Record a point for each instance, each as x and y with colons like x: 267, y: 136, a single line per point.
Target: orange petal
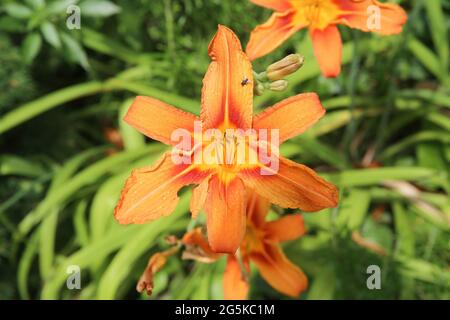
x: 225, y: 97
x: 267, y: 37
x: 234, y: 285
x: 157, y: 119
x: 257, y: 208
x: 291, y: 116
x: 328, y: 50
x: 196, y: 238
x: 198, y: 198
x: 279, y: 272
x: 286, y: 228
x: 358, y: 15
x: 151, y: 192
x: 292, y: 186
x: 277, y: 5
x: 225, y: 207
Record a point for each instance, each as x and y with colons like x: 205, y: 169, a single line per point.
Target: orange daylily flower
x: 227, y: 102
x: 321, y: 17
x: 261, y: 246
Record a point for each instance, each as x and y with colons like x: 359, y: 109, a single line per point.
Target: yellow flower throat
x: 317, y: 14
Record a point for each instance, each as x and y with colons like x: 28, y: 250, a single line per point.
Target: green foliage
x: 385, y: 142
x: 16, y: 84
x: 47, y: 19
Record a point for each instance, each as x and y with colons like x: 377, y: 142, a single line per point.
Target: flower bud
x: 279, y: 85
x: 284, y: 67
x: 259, y: 89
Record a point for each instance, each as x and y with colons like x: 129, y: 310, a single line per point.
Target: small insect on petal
x: 245, y: 81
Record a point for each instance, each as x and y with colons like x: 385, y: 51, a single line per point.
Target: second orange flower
x: 321, y: 17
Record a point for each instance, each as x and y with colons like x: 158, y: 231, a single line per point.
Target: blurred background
x: 65, y: 152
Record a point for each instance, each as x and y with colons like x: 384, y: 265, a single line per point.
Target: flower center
x: 230, y: 150
x: 254, y: 239
x: 317, y: 14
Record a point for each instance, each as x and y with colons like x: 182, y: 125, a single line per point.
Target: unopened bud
x: 284, y: 67
x: 259, y: 89
x: 279, y: 85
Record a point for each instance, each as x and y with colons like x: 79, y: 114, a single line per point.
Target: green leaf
x: 438, y: 98
x: 439, y: 119
x: 436, y: 19
x: 323, y: 151
x: 375, y: 176
x: 378, y: 233
x: 412, y: 140
x: 47, y: 231
x: 36, y: 4
x: 123, y: 261
x: 17, y: 10
x: 59, y: 6
x: 86, y: 177
x: 356, y: 207
x: 48, y: 227
x: 25, y: 264
x: 425, y: 56
x: 98, y: 8
x: 423, y: 270
x: 405, y: 244
x: 429, y: 155
x: 102, y: 43
x: 189, y: 285
x: 11, y: 24
x: 75, y: 51
x: 132, y: 139
x: 323, y: 284
x: 57, y: 98
x: 31, y: 47
x: 85, y: 257
x: 202, y: 290
x: 13, y: 165
x: 80, y: 224
x: 103, y: 205
x: 335, y: 120
x: 141, y: 88
x: 51, y: 34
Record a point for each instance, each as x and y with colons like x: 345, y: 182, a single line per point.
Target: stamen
x: 316, y: 13
x: 312, y: 11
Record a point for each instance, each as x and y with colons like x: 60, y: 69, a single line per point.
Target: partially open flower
x: 155, y: 263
